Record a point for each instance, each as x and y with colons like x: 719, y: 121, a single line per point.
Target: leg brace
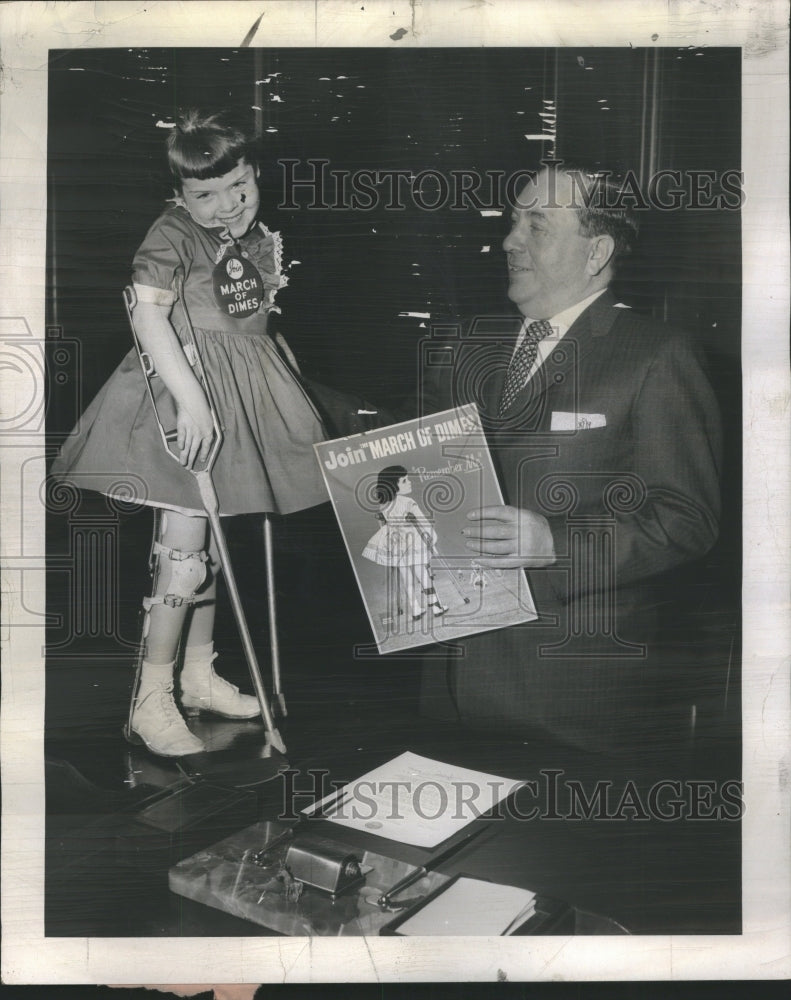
x: 188, y: 571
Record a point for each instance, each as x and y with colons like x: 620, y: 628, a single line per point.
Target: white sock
x: 198, y: 661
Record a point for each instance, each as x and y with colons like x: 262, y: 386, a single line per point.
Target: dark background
x: 441, y: 109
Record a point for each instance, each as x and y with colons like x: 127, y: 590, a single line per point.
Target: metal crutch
x: 208, y: 495
x: 271, y: 605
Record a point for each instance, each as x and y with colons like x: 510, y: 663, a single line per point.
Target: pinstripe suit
x: 616, y: 441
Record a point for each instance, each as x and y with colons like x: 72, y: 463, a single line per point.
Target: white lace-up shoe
x: 157, y: 722
x: 211, y: 693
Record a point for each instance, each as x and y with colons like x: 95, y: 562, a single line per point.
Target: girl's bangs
x: 206, y: 158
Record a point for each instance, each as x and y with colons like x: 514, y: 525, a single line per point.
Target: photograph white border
x: 27, y: 31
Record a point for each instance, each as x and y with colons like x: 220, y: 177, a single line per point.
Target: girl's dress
x: 266, y: 462
x: 406, y: 537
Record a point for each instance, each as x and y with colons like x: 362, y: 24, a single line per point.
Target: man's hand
x: 509, y: 538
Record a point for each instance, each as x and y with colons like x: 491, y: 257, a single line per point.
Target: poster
x: 29, y: 32
x: 403, y: 527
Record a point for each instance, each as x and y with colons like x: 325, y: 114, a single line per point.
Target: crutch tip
x: 274, y: 739
x: 281, y: 704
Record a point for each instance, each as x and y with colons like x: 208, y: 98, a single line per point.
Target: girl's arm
x: 158, y: 339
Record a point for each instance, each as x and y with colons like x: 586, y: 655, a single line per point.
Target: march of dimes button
x: 238, y: 288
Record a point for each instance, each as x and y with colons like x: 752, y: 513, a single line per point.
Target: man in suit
x: 605, y: 432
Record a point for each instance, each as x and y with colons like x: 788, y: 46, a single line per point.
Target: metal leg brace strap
x: 187, y: 573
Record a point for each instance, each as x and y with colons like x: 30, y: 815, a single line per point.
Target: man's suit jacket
x: 616, y: 442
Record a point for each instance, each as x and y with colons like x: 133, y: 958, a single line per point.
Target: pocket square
x: 562, y: 421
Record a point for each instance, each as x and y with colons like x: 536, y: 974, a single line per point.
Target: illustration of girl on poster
x: 404, y: 542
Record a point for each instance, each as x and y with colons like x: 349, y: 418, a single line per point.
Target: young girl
x: 231, y: 268
x: 405, y: 540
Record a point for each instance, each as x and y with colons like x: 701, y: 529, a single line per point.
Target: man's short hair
x: 603, y: 204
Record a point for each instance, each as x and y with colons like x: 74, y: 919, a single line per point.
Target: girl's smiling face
x: 229, y: 201
x: 404, y: 485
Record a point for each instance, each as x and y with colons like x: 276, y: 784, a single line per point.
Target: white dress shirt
x: 561, y: 324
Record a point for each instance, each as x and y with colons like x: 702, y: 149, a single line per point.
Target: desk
x: 226, y: 876
x: 107, y: 873
x: 108, y: 876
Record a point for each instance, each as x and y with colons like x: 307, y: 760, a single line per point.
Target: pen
x: 418, y: 873
x: 239, y: 873
x: 335, y: 806
x: 322, y: 805
x: 410, y: 879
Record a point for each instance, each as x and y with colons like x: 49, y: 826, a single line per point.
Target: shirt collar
x: 562, y: 322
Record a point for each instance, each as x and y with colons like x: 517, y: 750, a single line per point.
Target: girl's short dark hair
x: 387, y: 483
x: 205, y: 145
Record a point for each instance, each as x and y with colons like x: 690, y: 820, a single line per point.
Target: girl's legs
x: 425, y: 582
x: 201, y: 688
x: 395, y: 594
x: 412, y: 595
x: 200, y: 622
x: 186, y: 536
x: 182, y: 598
x: 180, y: 571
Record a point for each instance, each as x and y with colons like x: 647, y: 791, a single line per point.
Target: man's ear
x: 601, y: 253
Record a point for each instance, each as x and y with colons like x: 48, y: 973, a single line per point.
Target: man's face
x: 548, y: 259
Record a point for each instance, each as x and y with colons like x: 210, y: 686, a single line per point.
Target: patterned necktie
x: 523, y: 360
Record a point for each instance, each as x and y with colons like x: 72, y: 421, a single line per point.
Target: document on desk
x: 469, y: 907
x: 416, y: 800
